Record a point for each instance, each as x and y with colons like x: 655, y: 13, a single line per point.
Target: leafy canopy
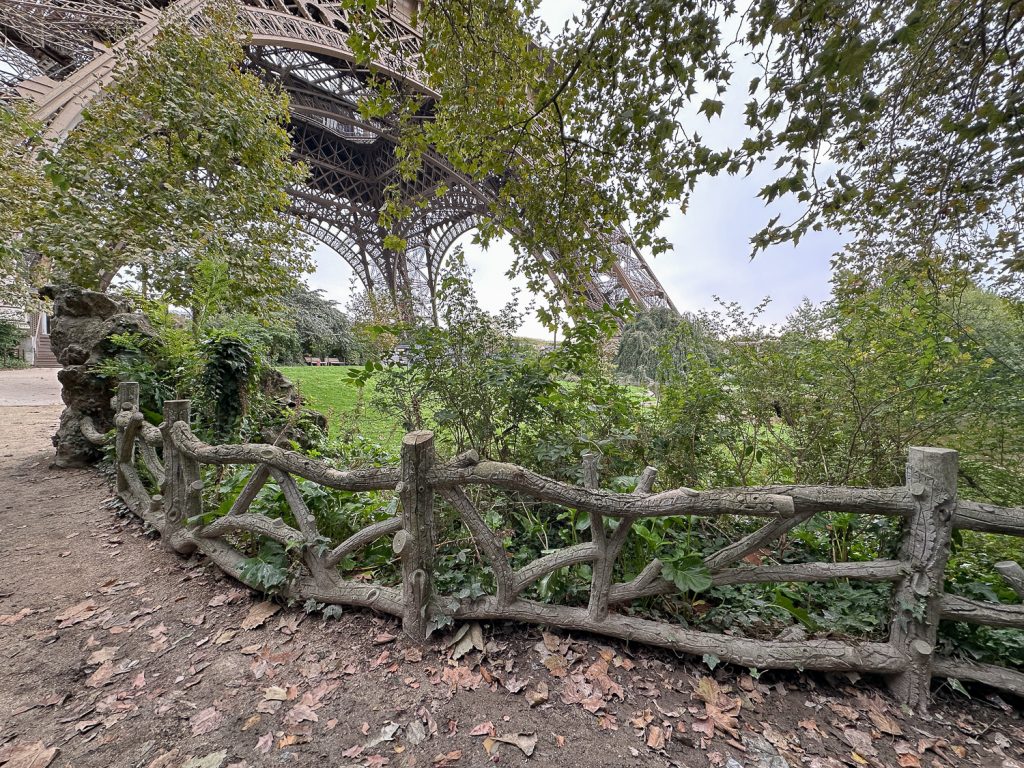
x: 898, y: 121
x: 23, y: 192
x: 184, y: 162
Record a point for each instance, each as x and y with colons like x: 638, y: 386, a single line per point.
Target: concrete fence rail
x: 170, y: 457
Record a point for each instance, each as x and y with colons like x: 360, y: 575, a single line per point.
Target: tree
x: 23, y: 191
x: 182, y: 167
x: 658, y: 343
x: 839, y: 392
x: 899, y: 121
x: 323, y: 329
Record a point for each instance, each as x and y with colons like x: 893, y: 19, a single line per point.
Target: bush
x: 228, y: 379
x: 10, y: 337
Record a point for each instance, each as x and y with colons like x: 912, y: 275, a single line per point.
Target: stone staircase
x: 44, y: 353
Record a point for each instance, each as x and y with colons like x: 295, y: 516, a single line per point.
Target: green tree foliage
x: 899, y: 122
x: 478, y: 386
x: 839, y: 392
x: 23, y: 192
x: 323, y: 329
x: 576, y: 135
x: 229, y: 375
x: 179, y: 171
x: 918, y: 108
x: 304, y: 323
x: 656, y: 343
x: 10, y: 335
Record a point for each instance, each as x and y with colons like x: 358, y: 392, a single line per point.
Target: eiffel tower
x: 62, y: 53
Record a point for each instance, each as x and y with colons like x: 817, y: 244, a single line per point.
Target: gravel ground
x: 30, y: 386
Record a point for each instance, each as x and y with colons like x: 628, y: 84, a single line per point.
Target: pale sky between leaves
x: 710, y: 253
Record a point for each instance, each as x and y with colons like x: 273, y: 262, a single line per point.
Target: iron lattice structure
x: 62, y: 53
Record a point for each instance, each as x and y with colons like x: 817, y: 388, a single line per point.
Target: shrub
x: 230, y: 370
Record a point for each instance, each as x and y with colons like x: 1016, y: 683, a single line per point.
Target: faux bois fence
x: 928, y: 505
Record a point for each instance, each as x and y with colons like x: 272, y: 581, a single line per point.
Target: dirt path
x: 115, y: 652
x: 29, y: 386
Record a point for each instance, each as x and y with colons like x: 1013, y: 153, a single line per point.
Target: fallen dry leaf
x: 299, y: 713
x: 483, y: 729
x: 36, y: 755
x: 538, y: 695
x: 593, y: 704
x: 275, y: 693
x: 225, y: 637
x: 106, y: 653
x: 264, y: 743
x: 884, y: 723
x: 557, y: 665
x: 721, y: 709
x: 849, y: 713
x: 206, y: 721
x: 442, y: 761
x: 101, y: 676
x: 9, y: 619
x: 387, y: 733
x: 76, y: 614
x: 860, y: 741
x: 468, y: 637
x: 514, y: 684
x: 166, y: 760
x: 525, y: 741
x: 642, y: 719
x: 704, y: 726
x: 258, y: 614
x: 48, y: 701
x: 461, y: 677
x: 212, y: 760
x: 655, y: 737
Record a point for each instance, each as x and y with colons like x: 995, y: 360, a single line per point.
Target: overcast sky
x: 710, y: 253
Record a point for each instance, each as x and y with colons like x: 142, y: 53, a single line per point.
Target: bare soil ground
x: 29, y: 386
x: 115, y: 652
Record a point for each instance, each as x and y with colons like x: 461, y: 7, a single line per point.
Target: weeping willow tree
x: 658, y: 344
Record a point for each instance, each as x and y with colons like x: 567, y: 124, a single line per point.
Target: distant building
x: 34, y: 347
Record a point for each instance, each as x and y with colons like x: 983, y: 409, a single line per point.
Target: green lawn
x: 328, y: 390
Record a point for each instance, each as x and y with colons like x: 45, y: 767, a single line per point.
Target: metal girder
x: 61, y: 54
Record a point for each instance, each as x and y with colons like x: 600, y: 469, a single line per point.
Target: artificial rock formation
x: 80, y: 334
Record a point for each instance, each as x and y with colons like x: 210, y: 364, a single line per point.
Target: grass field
x: 327, y: 389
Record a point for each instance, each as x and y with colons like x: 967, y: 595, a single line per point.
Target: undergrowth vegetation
x: 837, y: 395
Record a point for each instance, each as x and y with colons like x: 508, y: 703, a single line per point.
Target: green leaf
x: 711, y: 107
x: 688, y: 573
